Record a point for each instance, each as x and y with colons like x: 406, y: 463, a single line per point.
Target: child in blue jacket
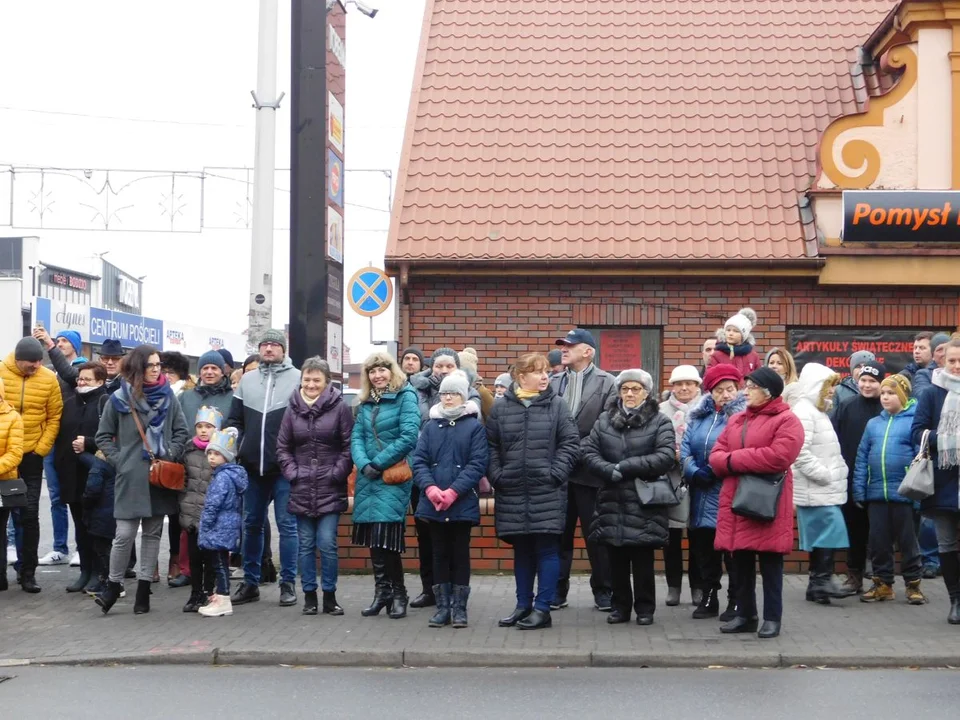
x: 220, y: 524
x: 886, y: 451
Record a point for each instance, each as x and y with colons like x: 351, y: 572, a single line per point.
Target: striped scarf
x: 948, y: 431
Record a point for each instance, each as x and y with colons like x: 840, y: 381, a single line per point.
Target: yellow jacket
x: 11, y: 439
x: 38, y: 400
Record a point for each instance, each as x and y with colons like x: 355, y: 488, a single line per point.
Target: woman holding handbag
x: 141, y: 421
x: 758, y: 445
x: 384, y: 434
x: 632, y: 442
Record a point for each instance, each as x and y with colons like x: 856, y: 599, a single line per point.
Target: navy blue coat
x: 704, y: 425
x: 98, y: 500
x: 220, y: 523
x: 451, y: 454
x: 945, y: 480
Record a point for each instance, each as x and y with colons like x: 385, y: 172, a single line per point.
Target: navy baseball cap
x: 112, y: 348
x: 577, y: 336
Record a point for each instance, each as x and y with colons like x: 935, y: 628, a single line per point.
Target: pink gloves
x: 441, y: 499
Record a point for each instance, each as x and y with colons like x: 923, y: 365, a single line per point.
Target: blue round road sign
x: 369, y: 292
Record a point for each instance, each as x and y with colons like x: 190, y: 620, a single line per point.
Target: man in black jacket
x: 850, y: 421
x: 587, y: 390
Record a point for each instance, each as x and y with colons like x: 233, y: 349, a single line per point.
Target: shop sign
x: 337, y: 47
x: 334, y: 235
x: 334, y: 178
x: 619, y: 349
x: 74, y: 282
x: 901, y: 216
x: 335, y: 122
x: 130, y: 330
x: 833, y: 348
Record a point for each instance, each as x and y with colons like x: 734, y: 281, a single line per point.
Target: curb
x: 414, y: 658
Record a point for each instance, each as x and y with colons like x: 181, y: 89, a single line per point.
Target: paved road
x: 108, y: 693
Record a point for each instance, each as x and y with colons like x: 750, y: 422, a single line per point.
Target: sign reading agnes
x: 882, y: 216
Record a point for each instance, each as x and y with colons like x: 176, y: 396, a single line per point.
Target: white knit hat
x: 456, y: 382
x: 744, y: 321
x: 636, y: 375
x: 685, y: 372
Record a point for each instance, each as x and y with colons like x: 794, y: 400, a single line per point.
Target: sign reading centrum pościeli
x: 901, y: 216
x: 833, y: 348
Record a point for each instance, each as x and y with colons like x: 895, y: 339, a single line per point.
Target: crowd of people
x: 734, y: 455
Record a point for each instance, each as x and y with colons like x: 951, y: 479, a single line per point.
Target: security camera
x: 370, y: 12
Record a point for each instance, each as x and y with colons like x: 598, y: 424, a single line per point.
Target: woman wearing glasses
x: 144, y: 397
x: 765, y: 439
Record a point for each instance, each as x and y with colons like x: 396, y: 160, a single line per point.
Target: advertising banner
x: 130, y: 330
x: 901, y: 216
x: 57, y: 316
x: 833, y: 348
x: 195, y: 341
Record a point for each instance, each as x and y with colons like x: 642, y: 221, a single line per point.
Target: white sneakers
x: 11, y: 554
x: 53, y: 558
x: 218, y: 606
x: 75, y: 560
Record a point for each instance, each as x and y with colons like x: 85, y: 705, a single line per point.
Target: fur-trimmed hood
x: 707, y: 406
x: 620, y: 419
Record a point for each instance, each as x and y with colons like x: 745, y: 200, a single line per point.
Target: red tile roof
x: 606, y: 130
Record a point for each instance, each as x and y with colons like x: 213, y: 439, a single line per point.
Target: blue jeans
x: 536, y: 556
x: 255, y: 502
x: 318, y: 533
x: 15, y: 534
x: 58, y: 511
x: 927, y: 538
x: 219, y: 560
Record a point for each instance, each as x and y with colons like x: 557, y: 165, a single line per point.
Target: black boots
x: 141, y: 605
x: 330, y: 605
x: 820, y: 587
x: 769, y: 629
x: 108, y: 598
x: 310, y: 605
x: 709, y: 606
x: 268, y: 572
x: 740, y: 625
x: 394, y: 568
x: 950, y: 567
x: 441, y: 617
x: 428, y: 598
x: 383, y: 590
x: 197, y: 600
x: 28, y: 583
x: 461, y: 593
x: 398, y: 608
x: 516, y: 616
x: 536, y: 620
x: 80, y: 583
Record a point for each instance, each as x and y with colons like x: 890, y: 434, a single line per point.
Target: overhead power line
x: 123, y: 119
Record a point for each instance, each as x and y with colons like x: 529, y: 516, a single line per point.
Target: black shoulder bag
x: 757, y: 496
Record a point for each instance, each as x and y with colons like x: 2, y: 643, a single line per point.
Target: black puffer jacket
x: 534, y: 445
x: 644, y: 447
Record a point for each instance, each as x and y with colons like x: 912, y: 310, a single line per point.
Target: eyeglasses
x: 749, y: 385
x: 449, y: 394
x: 270, y: 345
x: 153, y: 366
x: 632, y: 390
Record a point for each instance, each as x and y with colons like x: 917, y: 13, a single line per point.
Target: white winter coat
x: 819, y: 473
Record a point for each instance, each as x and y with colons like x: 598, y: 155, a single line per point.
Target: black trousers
x: 710, y: 562
x: 84, y: 546
x: 771, y: 568
x: 642, y: 597
x: 201, y: 570
x: 581, y: 502
x: 673, y: 562
x: 424, y: 545
x: 173, y: 535
x: 893, y: 523
x: 451, y: 552
x: 101, y: 551
x: 31, y: 470
x: 858, y: 530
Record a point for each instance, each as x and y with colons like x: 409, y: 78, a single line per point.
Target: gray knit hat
x: 503, y: 380
x: 636, y: 375
x: 860, y: 357
x: 456, y: 382
x: 554, y: 357
x: 939, y: 339
x: 445, y: 351
x: 28, y: 349
x: 274, y: 336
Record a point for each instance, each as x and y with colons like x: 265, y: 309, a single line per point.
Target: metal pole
x: 266, y: 102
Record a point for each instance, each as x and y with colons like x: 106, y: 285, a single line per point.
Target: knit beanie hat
x: 939, y: 339
x: 211, y: 415
x: 768, y: 380
x: 274, y: 336
x: 28, y: 349
x: 875, y: 370
x: 225, y: 443
x: 227, y: 358
x: 73, y: 337
x: 210, y: 357
x: 716, y: 374
x: 554, y: 357
x: 445, y: 351
x: 636, y: 375
x: 685, y: 372
x: 860, y: 357
x: 456, y: 382
x: 412, y: 351
x: 900, y: 385
x: 744, y: 321
x: 468, y: 359
x: 503, y: 380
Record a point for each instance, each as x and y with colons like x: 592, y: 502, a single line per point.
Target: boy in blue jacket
x: 883, y: 457
x: 220, y: 522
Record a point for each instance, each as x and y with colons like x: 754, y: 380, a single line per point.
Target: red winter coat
x: 773, y: 442
x: 746, y: 364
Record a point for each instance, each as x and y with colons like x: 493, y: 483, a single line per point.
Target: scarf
x: 375, y: 394
x: 629, y: 412
x: 948, y: 431
x: 309, y: 401
x: 677, y: 413
x: 525, y: 394
x: 218, y: 388
x: 201, y: 444
x: 736, y: 350
x: 154, y: 404
x: 571, y: 387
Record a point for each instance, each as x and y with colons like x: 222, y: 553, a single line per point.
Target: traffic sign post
x: 370, y: 292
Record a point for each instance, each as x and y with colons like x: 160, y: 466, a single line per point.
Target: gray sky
x: 187, y: 67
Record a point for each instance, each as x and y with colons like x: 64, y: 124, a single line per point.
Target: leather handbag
x: 656, y: 493
x: 399, y: 472
x: 680, y: 513
x: 163, y: 473
x: 13, y: 493
x: 918, y: 482
x: 757, y: 496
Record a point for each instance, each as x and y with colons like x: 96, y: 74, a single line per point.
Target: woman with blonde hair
x: 782, y: 363
x: 384, y: 434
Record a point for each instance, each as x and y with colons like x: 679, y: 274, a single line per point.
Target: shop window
x: 625, y: 348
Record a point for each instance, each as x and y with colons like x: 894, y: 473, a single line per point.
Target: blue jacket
x: 220, y: 523
x: 384, y: 434
x: 886, y: 451
x: 98, y: 500
x: 451, y: 454
x: 704, y: 425
x: 945, y: 480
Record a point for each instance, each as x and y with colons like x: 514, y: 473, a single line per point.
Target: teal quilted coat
x: 385, y: 433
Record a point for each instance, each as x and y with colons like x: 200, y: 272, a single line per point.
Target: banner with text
x: 833, y: 348
x: 901, y: 216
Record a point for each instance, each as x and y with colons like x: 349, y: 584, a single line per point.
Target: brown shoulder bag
x: 163, y: 473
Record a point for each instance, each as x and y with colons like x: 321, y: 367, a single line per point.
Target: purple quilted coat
x: 313, y: 449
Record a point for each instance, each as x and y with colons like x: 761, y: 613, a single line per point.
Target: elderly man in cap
x: 35, y: 394
x: 256, y: 411
x: 586, y: 389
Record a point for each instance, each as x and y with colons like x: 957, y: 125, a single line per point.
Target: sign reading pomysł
x: 901, y: 216
x: 833, y: 348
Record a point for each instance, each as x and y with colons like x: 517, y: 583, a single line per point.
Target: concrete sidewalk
x: 54, y: 627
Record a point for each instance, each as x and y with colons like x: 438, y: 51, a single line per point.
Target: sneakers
x: 914, y: 596
x: 880, y: 591
x: 75, y: 560
x: 11, y: 554
x: 218, y: 606
x: 53, y: 558
x: 603, y: 601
